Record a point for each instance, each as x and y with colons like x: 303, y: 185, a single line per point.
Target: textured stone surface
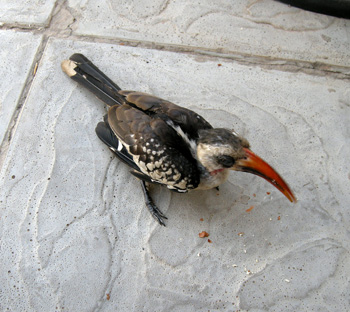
x: 262, y: 28
x: 23, y: 12
x: 17, y: 53
x: 75, y: 235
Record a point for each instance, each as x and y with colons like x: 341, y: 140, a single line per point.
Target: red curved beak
x: 254, y: 164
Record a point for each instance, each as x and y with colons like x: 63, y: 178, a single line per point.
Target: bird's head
x: 220, y: 149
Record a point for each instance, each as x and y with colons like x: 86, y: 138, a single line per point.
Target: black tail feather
x: 83, y: 71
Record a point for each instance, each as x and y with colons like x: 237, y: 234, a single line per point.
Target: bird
x: 164, y: 143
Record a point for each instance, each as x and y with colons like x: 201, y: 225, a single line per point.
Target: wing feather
x: 189, y: 121
x: 156, y: 148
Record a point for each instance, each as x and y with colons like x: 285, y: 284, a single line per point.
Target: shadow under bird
x: 167, y: 144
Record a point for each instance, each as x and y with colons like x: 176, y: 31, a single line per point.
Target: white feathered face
x: 220, y: 149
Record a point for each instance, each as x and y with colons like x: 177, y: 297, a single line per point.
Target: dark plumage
x: 162, y: 142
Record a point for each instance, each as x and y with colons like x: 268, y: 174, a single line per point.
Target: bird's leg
x: 153, y: 209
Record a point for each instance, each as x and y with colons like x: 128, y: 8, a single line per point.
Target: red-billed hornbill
x: 164, y: 143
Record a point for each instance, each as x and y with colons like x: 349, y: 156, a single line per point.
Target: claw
x: 155, y: 212
x: 153, y: 209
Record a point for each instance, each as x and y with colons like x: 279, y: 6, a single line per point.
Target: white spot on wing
x: 150, y: 166
x: 169, y: 172
x: 142, y: 165
x: 120, y: 146
x: 177, y: 176
x: 181, y: 191
x: 182, y: 184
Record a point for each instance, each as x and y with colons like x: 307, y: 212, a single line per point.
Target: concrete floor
x: 75, y: 235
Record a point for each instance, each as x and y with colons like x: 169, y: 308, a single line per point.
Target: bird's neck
x: 214, y: 172
x: 209, y: 180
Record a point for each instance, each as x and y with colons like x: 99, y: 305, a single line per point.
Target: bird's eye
x: 226, y: 161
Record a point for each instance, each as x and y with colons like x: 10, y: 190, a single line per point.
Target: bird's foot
x: 153, y: 209
x: 155, y: 212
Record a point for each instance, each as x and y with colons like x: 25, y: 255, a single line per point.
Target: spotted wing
x: 156, y: 148
x: 176, y: 116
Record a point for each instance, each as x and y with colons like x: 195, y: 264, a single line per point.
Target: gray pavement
x: 75, y: 235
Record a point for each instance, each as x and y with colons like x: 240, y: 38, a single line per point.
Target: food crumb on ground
x: 203, y: 234
x: 250, y: 209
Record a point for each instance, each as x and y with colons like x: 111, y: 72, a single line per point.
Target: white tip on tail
x: 68, y: 67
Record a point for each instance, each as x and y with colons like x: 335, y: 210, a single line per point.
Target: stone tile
x: 74, y: 225
x: 287, y: 273
x: 17, y: 53
x: 26, y: 12
x: 261, y: 28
